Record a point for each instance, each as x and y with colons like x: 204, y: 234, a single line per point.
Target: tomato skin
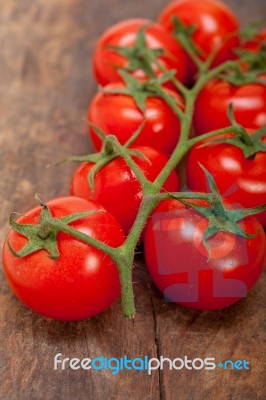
x: 83, y: 281
x: 116, y: 186
x: 119, y: 115
x: 214, y: 21
x: 124, y: 34
x: 179, y: 264
x: 239, y: 180
x: 212, y: 104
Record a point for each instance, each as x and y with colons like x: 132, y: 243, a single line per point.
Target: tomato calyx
x: 140, y: 91
x: 250, y: 68
x: 255, y: 61
x: 220, y: 218
x: 237, y: 77
x: 140, y: 56
x: 111, y: 149
x: 43, y: 235
x: 249, y: 144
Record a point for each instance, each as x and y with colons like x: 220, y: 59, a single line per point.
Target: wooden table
x: 46, y: 83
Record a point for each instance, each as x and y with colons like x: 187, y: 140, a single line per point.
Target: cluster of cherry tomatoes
x: 83, y: 280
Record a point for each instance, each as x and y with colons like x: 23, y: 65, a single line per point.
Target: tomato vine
x: 123, y: 255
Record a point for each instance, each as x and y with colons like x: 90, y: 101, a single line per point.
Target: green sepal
x: 221, y: 219
x: 135, y: 135
x: 256, y: 67
x: 109, y: 153
x: 249, y: 144
x: 137, y: 153
x: 136, y: 89
x: 43, y: 236
x: 101, y: 135
x: 140, y: 91
x: 256, y: 61
x: 139, y: 56
x: 247, y: 212
x: 248, y: 150
x: 237, y: 77
x: 93, y: 158
x: 96, y: 168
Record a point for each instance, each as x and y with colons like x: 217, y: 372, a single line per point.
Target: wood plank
x: 235, y: 333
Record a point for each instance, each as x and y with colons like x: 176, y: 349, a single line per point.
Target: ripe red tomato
x: 212, y: 104
x: 217, y: 26
x: 119, y: 115
x: 124, y: 34
x: 179, y: 264
x: 239, y: 180
x: 79, y: 284
x: 116, y: 186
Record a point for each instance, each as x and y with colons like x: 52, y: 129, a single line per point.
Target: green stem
x: 182, y: 146
x: 123, y: 262
x: 181, y: 196
x: 206, y: 75
x: 151, y: 194
x: 62, y: 227
x: 179, y: 152
x: 127, y: 294
x: 148, y: 204
x: 123, y: 256
x: 152, y: 197
x: 124, y: 152
x: 170, y: 101
x: 179, y: 86
x: 209, y: 135
x: 146, y: 207
x: 190, y: 51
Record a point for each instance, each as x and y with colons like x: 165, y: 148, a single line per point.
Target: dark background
x: 46, y: 83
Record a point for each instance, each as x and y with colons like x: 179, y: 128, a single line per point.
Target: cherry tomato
x: 217, y: 28
x: 79, y: 284
x: 116, y: 186
x: 239, y: 180
x: 212, y: 104
x: 181, y: 267
x: 124, y: 34
x: 119, y: 115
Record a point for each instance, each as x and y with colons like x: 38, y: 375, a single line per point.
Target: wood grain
x: 45, y: 85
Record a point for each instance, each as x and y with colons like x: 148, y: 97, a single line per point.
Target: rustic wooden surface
x: 45, y: 86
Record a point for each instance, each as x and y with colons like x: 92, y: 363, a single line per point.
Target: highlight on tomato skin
x: 79, y: 284
x: 183, y: 270
x: 124, y: 34
x: 119, y: 115
x: 116, y: 186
